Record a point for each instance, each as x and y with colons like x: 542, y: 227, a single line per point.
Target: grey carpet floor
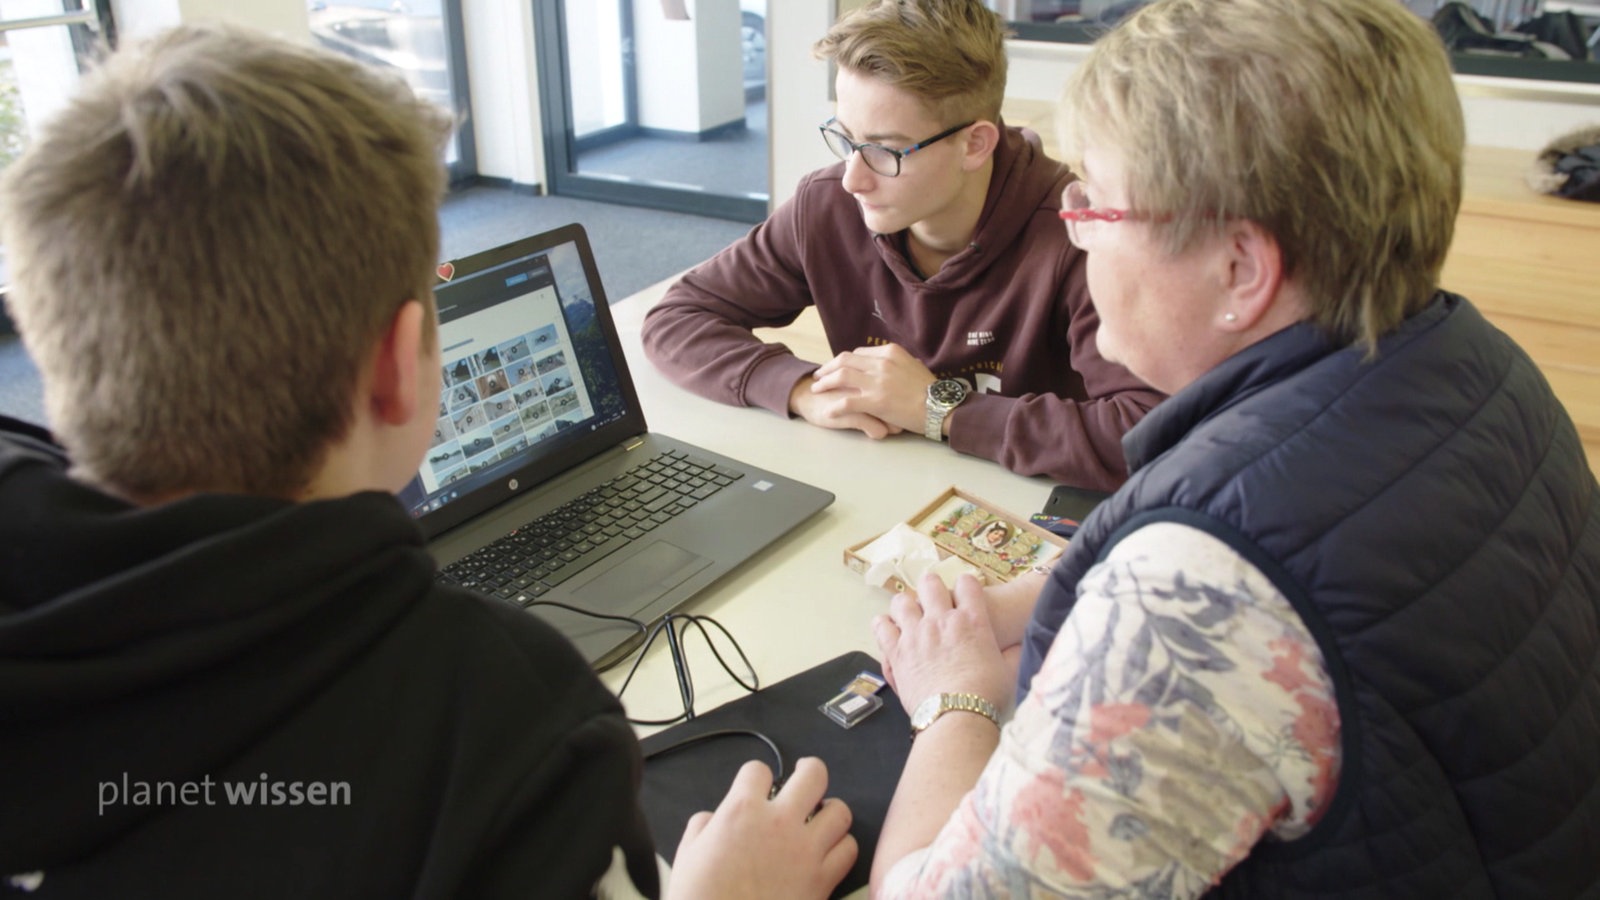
x: 634, y: 248
x: 733, y: 163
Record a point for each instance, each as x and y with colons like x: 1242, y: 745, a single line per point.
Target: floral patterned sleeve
x: 1183, y: 714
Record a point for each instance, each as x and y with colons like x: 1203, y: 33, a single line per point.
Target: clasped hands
x: 878, y: 391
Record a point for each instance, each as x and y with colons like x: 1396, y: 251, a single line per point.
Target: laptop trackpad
x: 639, y: 581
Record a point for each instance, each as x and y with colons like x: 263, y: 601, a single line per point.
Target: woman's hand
x: 935, y: 642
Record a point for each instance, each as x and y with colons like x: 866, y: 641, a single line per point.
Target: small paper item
x: 904, y: 554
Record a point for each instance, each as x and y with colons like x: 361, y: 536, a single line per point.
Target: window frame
x: 97, y: 14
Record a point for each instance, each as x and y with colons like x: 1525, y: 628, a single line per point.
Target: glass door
x: 421, y: 39
x: 658, y: 103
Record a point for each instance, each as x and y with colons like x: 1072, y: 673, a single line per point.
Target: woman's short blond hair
x: 949, y: 53
x: 206, y: 245
x: 1333, y: 124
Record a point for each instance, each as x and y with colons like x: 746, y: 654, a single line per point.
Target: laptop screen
x: 528, y: 369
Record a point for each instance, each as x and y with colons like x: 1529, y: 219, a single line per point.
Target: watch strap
x: 960, y: 702
x: 933, y: 425
x: 938, y: 410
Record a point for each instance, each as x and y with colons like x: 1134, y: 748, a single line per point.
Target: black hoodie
x: 398, y: 737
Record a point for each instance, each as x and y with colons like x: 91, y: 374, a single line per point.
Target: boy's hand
x: 835, y: 409
x: 795, y: 845
x: 884, y: 382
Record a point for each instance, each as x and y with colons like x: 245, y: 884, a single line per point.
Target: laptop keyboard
x: 543, y: 553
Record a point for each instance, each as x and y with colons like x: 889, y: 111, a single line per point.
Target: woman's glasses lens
x: 1077, y: 196
x: 1077, y: 199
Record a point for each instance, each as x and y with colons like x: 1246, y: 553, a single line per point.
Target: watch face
x: 925, y: 713
x: 947, y: 392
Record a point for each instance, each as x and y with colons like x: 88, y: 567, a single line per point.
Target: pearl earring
x: 1229, y: 317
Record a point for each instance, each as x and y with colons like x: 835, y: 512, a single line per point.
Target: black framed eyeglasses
x: 883, y: 160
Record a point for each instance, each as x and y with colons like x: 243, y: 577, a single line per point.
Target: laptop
x: 539, y: 419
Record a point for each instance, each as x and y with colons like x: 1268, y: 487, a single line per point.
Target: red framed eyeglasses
x: 1084, y: 222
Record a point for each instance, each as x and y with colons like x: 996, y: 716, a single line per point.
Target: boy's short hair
x: 951, y: 53
x: 1335, y: 125
x: 205, y: 246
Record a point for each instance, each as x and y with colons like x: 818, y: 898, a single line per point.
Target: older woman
x: 1338, y: 633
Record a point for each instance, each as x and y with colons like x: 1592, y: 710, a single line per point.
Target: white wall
x: 797, y: 92
x: 598, y: 97
x: 720, y: 63
x: 667, y: 68
x: 1508, y: 112
x: 689, y: 74
x: 285, y: 17
x: 502, y: 71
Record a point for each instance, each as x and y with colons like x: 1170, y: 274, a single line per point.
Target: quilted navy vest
x: 1430, y: 514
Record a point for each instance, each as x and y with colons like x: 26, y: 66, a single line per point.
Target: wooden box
x: 998, y: 543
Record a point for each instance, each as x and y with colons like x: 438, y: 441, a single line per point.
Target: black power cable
x: 674, y: 631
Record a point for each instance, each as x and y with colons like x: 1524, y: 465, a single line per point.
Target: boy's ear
x: 981, y: 140
x: 395, y: 377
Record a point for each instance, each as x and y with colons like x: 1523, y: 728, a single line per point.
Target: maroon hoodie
x: 1010, y: 315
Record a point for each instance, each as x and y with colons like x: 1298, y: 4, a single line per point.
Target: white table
x: 795, y: 605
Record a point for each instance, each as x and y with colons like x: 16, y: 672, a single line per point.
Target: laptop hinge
x: 633, y: 443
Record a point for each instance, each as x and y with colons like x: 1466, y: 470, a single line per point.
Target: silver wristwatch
x: 936, y: 705
x: 943, y: 395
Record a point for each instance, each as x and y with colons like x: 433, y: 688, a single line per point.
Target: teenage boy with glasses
x: 934, y: 254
